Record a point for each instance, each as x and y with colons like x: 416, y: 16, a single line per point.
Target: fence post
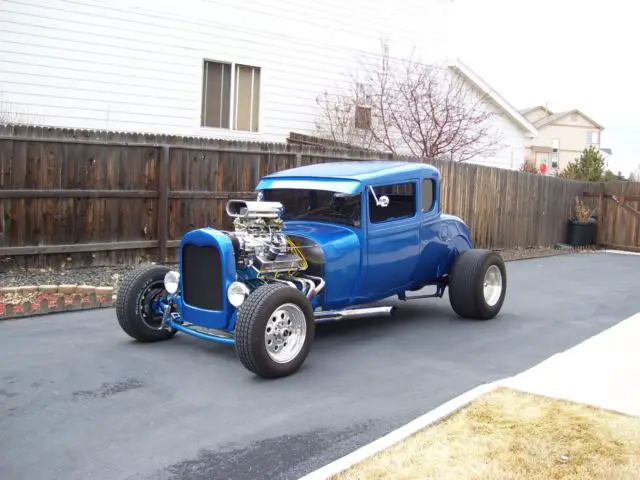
x: 163, y: 203
x: 600, y: 215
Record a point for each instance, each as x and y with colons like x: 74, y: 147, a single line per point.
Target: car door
x: 434, y: 234
x: 393, y: 238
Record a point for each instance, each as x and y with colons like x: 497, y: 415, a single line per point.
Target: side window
x: 428, y: 194
x: 402, y: 202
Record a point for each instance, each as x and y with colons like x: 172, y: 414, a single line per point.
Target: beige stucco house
x: 562, y: 137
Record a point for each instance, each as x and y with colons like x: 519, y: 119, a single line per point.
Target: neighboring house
x: 562, y: 137
x: 236, y: 69
x: 607, y: 154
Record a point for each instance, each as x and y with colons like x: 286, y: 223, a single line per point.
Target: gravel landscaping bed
x: 111, y: 276
x: 96, y: 276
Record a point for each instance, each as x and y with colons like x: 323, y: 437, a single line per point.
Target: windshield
x: 317, y: 205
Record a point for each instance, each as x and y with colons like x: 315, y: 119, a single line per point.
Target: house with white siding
x: 230, y: 69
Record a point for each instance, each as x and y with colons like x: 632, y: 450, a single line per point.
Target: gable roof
x: 537, y: 107
x: 557, y: 116
x: 473, y: 78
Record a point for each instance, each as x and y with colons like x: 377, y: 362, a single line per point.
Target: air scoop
x: 253, y: 209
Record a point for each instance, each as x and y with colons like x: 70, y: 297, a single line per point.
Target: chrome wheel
x: 492, y: 285
x: 285, y: 333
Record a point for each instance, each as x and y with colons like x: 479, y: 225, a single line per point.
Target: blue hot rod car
x: 318, y: 241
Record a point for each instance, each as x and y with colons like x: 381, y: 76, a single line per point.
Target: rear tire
x: 138, y: 290
x: 478, y: 284
x: 275, y: 328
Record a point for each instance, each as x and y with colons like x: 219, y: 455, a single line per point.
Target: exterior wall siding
x: 510, y: 153
x: 133, y: 66
x: 573, y: 138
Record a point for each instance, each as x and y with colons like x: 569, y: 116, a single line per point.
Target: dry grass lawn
x: 511, y: 435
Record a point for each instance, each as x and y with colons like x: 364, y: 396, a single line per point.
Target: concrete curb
x: 434, y: 416
x: 35, y: 300
x: 620, y: 252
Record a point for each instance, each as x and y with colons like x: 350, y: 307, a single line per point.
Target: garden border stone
x: 69, y: 298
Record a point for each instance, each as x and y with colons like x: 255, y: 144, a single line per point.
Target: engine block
x: 258, y: 239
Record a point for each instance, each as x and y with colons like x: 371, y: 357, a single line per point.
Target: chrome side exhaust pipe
x: 337, y: 315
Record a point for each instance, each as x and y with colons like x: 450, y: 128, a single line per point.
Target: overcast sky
x: 567, y: 53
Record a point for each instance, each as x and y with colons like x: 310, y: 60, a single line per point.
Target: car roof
x: 355, y: 170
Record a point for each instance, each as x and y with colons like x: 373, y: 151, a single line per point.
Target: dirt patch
x: 512, y: 254
x: 511, y: 435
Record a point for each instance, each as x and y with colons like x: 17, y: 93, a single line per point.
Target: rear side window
x: 428, y: 194
x: 402, y: 202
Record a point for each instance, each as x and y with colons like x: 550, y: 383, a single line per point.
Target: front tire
x: 139, y: 289
x: 478, y: 284
x: 275, y: 328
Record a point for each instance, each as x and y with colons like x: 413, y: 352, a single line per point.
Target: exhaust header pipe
x: 253, y: 209
x: 354, y: 313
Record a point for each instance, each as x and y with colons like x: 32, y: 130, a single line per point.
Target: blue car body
x: 360, y: 263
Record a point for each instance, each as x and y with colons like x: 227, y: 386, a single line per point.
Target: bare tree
x: 341, y: 117
x: 403, y: 106
x: 10, y: 115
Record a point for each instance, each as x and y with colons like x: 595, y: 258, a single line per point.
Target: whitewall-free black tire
x: 477, y: 284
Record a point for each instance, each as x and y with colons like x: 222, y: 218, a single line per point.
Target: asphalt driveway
x: 79, y: 400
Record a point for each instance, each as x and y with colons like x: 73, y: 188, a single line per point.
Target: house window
x: 555, y: 144
x: 230, y: 96
x: 247, y: 98
x: 593, y: 138
x: 554, y: 160
x: 402, y: 202
x: 363, y: 117
x: 428, y: 194
x: 216, y: 92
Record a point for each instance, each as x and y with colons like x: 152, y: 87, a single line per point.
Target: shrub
x: 581, y: 211
x: 529, y: 167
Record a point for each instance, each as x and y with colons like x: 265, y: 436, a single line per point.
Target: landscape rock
x: 67, y: 289
x: 48, y: 288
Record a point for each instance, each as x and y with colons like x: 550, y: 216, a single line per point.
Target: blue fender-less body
x: 362, y: 262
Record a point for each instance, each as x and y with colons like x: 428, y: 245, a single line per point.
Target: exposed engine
x: 259, y: 244
x: 258, y: 240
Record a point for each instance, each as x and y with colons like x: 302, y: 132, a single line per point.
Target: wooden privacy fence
x: 617, y: 206
x: 77, y: 197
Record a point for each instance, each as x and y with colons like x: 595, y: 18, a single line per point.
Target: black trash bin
x: 581, y: 234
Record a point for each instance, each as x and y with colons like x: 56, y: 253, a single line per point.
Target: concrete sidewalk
x: 603, y: 371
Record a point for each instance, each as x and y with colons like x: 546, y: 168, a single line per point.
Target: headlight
x: 237, y: 292
x: 171, y: 282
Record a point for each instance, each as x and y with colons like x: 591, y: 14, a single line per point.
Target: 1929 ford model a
x: 318, y: 241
